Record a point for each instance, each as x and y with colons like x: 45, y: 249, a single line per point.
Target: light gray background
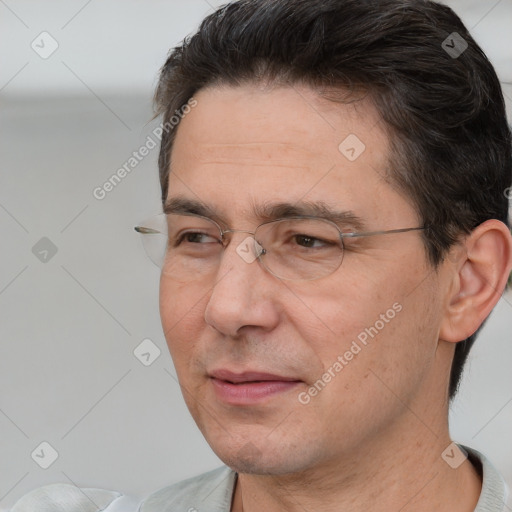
x: 69, y: 326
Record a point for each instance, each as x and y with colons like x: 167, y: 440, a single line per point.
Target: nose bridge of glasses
x: 233, y: 231
x: 224, y: 231
x: 249, y: 251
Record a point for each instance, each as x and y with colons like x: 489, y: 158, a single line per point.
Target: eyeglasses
x: 295, y: 248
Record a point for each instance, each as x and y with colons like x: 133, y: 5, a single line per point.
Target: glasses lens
x: 153, y: 234
x: 300, y: 249
x: 190, y: 246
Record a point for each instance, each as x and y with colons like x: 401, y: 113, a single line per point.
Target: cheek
x: 345, y: 307
x: 383, y: 321
x: 182, y: 318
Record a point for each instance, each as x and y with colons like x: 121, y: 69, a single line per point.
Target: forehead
x: 240, y: 145
x: 252, y: 123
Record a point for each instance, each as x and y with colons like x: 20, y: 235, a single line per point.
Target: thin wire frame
x: 156, y: 227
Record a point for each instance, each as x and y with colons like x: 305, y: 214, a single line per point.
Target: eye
x: 198, y: 238
x: 195, y: 237
x: 311, y: 242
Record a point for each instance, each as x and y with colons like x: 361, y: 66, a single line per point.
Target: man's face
x: 346, y: 351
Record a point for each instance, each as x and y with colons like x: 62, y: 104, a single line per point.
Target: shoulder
x: 209, y: 492
x: 69, y: 498
x: 495, y: 494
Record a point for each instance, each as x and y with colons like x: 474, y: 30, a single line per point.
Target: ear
x: 481, y: 274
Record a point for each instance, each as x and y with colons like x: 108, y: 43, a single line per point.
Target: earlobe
x: 479, y: 281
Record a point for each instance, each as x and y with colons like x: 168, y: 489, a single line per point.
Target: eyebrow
x: 269, y: 211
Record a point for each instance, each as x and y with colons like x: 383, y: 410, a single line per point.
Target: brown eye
x: 310, y: 242
x: 195, y: 238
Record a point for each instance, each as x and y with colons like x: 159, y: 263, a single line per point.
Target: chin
x: 269, y: 460
x: 258, y: 467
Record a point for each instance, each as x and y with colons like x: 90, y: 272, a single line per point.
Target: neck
x: 401, y: 470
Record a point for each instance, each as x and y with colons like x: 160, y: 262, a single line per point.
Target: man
x: 336, y: 237
x: 334, y: 177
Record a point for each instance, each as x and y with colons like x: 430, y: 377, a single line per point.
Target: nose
x: 244, y: 293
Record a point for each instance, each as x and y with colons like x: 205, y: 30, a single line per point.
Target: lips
x: 249, y: 376
x: 249, y: 387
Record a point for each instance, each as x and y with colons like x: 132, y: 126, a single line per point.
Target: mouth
x: 250, y: 387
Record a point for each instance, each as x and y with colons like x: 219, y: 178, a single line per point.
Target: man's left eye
x: 311, y: 242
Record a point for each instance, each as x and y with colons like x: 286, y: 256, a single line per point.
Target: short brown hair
x: 450, y: 142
